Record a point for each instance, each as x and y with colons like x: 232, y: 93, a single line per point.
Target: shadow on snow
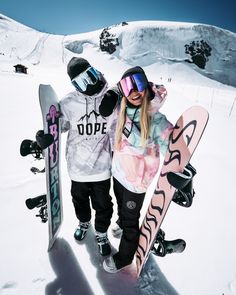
x: 70, y: 278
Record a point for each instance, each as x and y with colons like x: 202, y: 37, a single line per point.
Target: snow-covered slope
x: 20, y: 44
x: 163, y: 43
x: 187, y: 47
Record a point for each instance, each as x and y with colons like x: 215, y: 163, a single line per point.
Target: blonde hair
x: 144, y: 120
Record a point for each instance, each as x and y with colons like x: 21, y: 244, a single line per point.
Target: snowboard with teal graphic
x: 52, y: 125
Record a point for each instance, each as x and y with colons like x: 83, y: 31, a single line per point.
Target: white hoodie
x: 88, y: 148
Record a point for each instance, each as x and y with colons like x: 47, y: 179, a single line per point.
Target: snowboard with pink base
x: 182, y: 143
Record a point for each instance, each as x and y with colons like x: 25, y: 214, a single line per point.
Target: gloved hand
x: 108, y: 103
x: 44, y: 140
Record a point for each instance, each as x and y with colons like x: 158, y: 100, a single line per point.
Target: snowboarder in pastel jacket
x: 88, y: 150
x: 142, y: 132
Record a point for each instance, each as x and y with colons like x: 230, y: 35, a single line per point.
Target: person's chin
x: 136, y: 102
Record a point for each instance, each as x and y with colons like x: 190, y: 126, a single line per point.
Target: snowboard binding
x: 38, y: 202
x: 35, y: 148
x: 30, y: 147
x: 162, y: 247
x: 183, y: 182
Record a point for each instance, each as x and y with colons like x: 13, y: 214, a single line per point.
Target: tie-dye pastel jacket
x: 135, y: 166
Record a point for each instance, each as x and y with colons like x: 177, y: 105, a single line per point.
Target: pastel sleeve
x: 162, y: 131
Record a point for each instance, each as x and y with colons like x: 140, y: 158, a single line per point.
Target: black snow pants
x: 101, y: 202
x: 129, y: 207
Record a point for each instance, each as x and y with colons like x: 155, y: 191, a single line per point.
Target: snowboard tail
x: 182, y: 144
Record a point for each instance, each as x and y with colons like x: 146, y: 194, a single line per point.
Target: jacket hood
x: 159, y: 98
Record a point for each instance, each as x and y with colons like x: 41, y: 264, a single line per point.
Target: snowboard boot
x: 103, y: 243
x: 161, y: 247
x: 109, y: 265
x: 81, y: 230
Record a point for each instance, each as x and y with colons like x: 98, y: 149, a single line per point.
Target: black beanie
x: 76, y: 66
x: 133, y: 70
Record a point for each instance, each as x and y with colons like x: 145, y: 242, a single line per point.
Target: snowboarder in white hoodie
x: 88, y: 150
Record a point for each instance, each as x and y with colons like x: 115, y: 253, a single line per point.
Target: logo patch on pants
x: 131, y: 205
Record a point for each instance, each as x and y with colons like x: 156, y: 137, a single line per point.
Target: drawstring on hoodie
x: 86, y: 109
x: 87, y: 106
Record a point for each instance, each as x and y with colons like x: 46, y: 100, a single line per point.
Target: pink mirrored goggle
x: 136, y: 82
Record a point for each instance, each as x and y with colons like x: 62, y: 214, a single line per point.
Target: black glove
x: 108, y: 103
x: 44, y: 140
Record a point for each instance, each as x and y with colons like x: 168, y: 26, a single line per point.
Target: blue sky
x: 76, y: 16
